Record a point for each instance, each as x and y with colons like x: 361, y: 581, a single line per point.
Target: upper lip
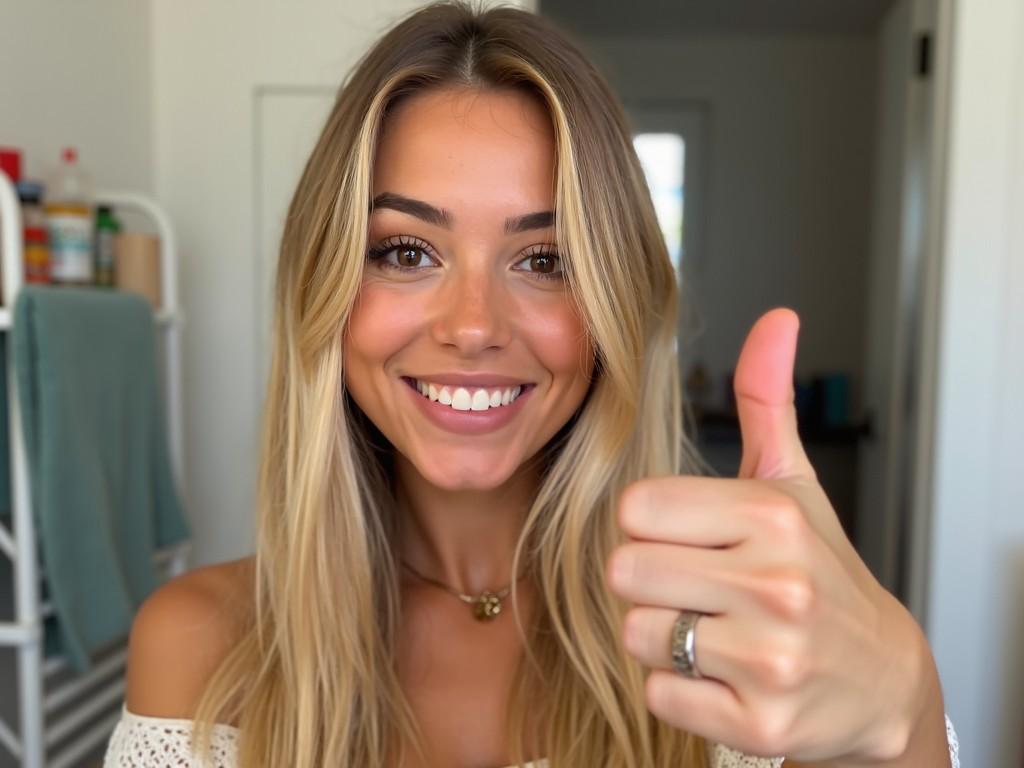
x: 471, y: 379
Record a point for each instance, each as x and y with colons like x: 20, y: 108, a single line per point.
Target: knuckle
x: 771, y: 731
x: 791, y: 595
x: 895, y: 740
x: 780, y: 513
x: 798, y: 597
x: 781, y: 668
x: 658, y: 694
x: 621, y: 567
x: 632, y: 506
x: 633, y: 631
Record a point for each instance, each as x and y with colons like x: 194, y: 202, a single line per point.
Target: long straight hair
x: 313, y: 682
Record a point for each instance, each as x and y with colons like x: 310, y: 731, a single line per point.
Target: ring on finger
x: 683, y: 648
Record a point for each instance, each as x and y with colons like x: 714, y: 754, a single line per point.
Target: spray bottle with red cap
x: 70, y: 222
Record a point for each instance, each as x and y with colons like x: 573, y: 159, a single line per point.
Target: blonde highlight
x: 313, y: 681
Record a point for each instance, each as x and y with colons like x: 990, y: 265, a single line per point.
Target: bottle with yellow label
x: 69, y: 220
x: 37, y: 240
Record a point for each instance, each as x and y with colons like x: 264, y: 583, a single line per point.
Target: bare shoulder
x: 181, y: 634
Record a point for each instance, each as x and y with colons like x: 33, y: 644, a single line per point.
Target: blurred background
x: 857, y: 160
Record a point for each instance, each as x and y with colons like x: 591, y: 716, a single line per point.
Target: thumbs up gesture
x: 801, y: 652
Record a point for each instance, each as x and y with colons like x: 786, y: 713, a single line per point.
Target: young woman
x: 483, y: 538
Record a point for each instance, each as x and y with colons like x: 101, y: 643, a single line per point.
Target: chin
x: 476, y: 474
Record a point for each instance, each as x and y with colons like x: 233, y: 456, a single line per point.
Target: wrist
x: 910, y: 730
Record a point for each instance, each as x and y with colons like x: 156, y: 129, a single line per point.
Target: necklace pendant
x: 487, y: 606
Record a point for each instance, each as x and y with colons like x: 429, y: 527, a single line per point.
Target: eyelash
x: 382, y: 249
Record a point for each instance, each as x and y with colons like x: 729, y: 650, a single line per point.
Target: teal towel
x: 103, y: 494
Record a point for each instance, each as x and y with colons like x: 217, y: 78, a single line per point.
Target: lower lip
x: 467, y: 422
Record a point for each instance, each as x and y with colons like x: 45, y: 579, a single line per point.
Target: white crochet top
x: 159, y: 742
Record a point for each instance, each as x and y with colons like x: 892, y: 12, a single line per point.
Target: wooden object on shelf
x: 137, y: 265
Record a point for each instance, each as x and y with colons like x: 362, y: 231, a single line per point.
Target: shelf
x: 719, y: 426
x: 45, y: 684
x: 163, y: 318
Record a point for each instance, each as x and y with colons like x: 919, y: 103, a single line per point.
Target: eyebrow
x: 443, y: 218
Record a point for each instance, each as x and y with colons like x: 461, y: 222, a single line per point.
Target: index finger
x: 689, y: 509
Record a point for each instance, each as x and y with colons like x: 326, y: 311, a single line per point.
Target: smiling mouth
x: 468, y: 398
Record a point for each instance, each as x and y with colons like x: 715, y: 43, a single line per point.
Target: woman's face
x: 463, y: 295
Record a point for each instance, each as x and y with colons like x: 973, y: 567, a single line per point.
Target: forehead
x: 453, y: 147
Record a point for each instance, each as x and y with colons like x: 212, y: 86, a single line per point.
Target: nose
x: 471, y: 315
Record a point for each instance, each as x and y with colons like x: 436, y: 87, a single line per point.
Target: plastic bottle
x: 37, y: 240
x: 10, y: 163
x: 107, y: 227
x: 69, y: 219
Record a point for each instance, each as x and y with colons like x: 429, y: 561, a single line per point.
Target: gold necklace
x: 485, y: 606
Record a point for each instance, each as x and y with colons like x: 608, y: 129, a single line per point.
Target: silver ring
x: 684, y: 660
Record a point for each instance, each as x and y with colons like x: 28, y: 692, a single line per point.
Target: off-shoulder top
x: 139, y: 741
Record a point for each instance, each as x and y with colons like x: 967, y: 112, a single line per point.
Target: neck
x: 463, y: 538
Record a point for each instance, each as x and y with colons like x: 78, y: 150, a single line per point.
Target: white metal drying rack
x: 63, y: 721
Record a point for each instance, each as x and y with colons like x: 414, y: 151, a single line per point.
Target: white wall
x: 976, y: 590
x: 73, y: 74
x: 789, y: 141
x: 78, y: 74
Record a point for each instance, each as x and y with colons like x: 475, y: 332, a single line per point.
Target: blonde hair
x: 313, y: 682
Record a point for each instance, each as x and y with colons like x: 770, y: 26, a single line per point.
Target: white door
x: 893, y: 506
x: 238, y: 94
x: 670, y: 140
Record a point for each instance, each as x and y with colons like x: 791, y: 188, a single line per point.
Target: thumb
x: 764, y: 399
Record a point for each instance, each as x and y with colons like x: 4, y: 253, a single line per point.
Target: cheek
x: 557, y: 336
x: 380, y: 325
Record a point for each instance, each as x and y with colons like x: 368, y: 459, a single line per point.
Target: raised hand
x: 802, y: 653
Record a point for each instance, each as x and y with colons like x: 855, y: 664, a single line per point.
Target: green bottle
x: 107, y: 228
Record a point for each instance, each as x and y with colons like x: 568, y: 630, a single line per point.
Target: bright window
x: 663, y: 157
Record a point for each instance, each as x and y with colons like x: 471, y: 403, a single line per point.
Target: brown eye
x: 542, y: 262
x: 409, y: 256
x: 401, y: 255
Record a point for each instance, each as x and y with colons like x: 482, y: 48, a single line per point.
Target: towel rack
x: 63, y: 717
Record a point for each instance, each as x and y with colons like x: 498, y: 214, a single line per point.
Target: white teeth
x: 462, y: 399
